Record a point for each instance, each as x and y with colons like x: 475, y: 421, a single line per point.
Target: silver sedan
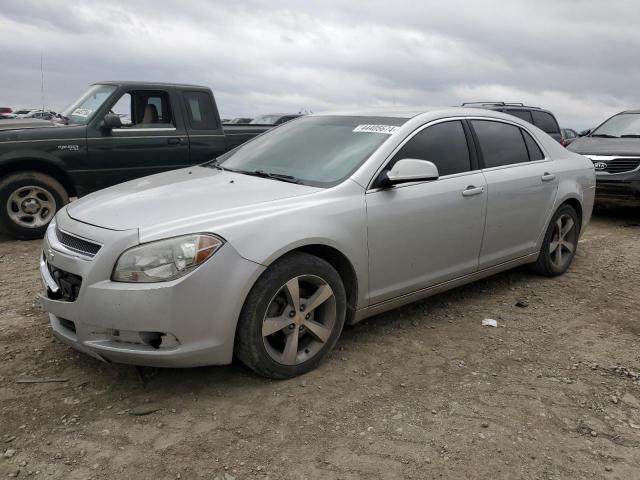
x: 266, y: 252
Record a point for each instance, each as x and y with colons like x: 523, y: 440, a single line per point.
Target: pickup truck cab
x: 116, y: 131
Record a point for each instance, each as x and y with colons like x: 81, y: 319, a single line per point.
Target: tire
x: 547, y: 263
x: 269, y: 308
x: 28, y: 202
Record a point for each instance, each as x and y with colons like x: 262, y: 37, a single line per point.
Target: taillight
x: 563, y: 142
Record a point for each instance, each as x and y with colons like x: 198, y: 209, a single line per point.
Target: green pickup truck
x: 116, y: 131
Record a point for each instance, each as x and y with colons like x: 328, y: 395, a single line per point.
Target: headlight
x: 165, y: 260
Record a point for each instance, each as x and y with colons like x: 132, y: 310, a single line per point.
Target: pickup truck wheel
x: 28, y: 202
x: 292, y: 317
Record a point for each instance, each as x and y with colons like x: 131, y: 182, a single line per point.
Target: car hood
x: 606, y: 146
x: 180, y: 197
x: 19, y: 123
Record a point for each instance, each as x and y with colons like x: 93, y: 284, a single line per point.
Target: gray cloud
x: 577, y: 58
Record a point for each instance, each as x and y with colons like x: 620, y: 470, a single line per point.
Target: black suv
x: 543, y: 119
x: 614, y: 149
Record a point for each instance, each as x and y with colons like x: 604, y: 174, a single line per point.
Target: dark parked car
x: 569, y: 135
x: 116, y: 131
x: 614, y: 149
x: 274, y: 118
x: 239, y: 120
x: 543, y: 119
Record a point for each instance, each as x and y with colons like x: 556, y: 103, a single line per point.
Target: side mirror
x: 111, y: 120
x: 408, y: 170
x: 586, y: 132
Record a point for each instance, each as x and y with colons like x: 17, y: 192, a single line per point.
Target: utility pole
x: 42, y: 81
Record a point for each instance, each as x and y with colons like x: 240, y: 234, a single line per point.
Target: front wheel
x: 560, y: 243
x: 292, y: 317
x: 28, y: 202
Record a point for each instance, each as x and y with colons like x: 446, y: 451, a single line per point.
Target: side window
x: 501, y: 143
x: 144, y: 109
x: 122, y: 108
x: 444, y: 144
x: 534, y: 150
x: 200, y: 111
x: 545, y: 122
x: 523, y: 114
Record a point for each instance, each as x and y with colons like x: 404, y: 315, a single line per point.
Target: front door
x: 152, y: 139
x: 422, y: 234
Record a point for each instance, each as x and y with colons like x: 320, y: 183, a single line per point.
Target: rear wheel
x: 292, y: 317
x: 28, y: 202
x: 560, y: 243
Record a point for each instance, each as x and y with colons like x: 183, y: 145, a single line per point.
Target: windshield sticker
x: 387, y: 129
x: 81, y: 112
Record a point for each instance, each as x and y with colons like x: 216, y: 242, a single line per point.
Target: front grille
x: 619, y: 165
x: 78, y: 245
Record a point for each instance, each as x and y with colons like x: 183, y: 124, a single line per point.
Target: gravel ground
x: 420, y: 392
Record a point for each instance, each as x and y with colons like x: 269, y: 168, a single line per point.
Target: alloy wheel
x: 299, y: 320
x: 563, y: 241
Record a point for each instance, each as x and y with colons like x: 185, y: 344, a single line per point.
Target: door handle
x: 547, y: 177
x: 174, y: 141
x: 470, y: 191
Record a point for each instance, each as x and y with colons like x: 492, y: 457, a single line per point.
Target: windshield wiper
x: 603, y: 135
x: 635, y: 135
x: 275, y: 176
x: 217, y: 166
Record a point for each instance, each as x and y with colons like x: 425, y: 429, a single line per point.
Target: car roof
x: 629, y: 111
x: 504, y: 106
x: 147, y: 84
x: 394, y: 112
x: 432, y: 112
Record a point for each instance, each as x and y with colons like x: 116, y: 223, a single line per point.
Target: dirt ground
x: 420, y: 392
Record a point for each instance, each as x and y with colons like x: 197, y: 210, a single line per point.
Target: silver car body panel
x: 404, y: 243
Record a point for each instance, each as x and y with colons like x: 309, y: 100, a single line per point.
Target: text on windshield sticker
x: 387, y: 129
x: 81, y: 112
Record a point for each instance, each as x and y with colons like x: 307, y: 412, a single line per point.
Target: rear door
x: 424, y: 233
x: 152, y: 138
x: 206, y: 138
x: 521, y: 185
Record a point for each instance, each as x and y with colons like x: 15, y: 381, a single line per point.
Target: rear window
x: 534, y: 150
x: 500, y: 143
x: 523, y: 114
x: 545, y: 122
x: 200, y: 111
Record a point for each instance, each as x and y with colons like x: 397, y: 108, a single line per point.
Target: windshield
x: 619, y: 126
x: 319, y: 151
x: 82, y: 110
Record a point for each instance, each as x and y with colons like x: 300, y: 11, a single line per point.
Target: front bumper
x: 623, y: 189
x: 187, y: 322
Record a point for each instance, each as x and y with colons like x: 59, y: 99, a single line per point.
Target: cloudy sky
x: 580, y: 58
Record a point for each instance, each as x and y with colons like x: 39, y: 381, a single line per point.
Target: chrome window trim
x: 153, y: 129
